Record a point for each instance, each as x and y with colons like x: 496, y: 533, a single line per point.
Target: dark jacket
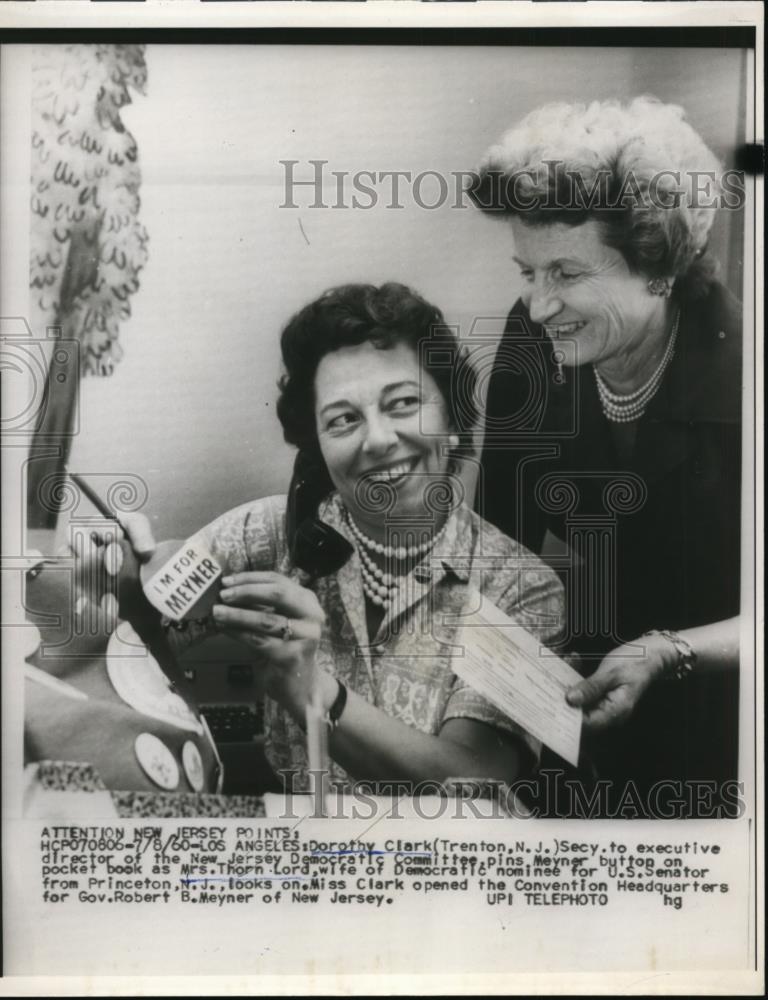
x: 654, y: 539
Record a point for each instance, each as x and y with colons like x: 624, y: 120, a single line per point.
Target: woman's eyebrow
x: 399, y: 385
x: 386, y: 388
x: 557, y: 262
x: 334, y: 403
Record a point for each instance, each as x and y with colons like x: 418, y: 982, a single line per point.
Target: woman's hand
x: 94, y: 550
x: 138, y: 531
x: 106, y: 561
x: 282, y: 622
x: 610, y: 695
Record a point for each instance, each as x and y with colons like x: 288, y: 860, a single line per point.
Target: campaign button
x: 193, y: 765
x: 156, y: 761
x: 182, y: 583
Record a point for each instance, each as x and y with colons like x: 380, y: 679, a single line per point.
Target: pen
x: 94, y: 497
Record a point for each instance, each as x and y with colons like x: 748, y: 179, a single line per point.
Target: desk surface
x: 68, y: 791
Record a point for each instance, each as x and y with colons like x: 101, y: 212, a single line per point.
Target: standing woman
x: 613, y: 424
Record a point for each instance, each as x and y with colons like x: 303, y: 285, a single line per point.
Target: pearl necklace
x: 378, y: 586
x: 622, y: 409
x: 393, y: 551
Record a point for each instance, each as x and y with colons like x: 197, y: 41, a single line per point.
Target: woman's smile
x: 584, y: 295
x: 564, y: 329
x: 381, y: 420
x: 393, y: 473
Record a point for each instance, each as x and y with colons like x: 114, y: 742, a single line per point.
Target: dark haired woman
x: 613, y: 424
x: 370, y: 406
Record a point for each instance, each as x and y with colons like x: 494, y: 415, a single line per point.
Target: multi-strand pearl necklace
x: 380, y: 587
x: 623, y: 409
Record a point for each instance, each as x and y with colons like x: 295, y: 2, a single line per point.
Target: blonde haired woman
x: 623, y: 357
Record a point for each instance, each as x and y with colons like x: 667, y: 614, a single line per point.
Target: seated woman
x: 367, y: 399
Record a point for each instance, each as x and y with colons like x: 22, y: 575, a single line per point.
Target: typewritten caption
x: 251, y: 865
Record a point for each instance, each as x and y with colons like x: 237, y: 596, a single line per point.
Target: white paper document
x: 509, y: 667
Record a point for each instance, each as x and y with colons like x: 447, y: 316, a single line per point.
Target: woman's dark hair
x: 631, y: 168
x: 384, y: 316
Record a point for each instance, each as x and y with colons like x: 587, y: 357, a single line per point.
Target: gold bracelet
x: 686, y: 655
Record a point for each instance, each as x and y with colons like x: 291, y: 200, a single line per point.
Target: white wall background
x: 191, y: 406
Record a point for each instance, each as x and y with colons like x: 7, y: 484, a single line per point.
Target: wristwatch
x: 332, y: 716
x: 334, y: 713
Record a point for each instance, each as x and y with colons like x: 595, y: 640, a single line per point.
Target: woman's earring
x: 453, y: 440
x: 660, y: 286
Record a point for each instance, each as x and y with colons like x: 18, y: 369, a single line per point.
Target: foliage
x: 87, y: 244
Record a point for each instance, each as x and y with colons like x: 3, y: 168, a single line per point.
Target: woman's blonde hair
x: 639, y: 169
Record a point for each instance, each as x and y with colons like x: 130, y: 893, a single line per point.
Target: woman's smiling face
x: 584, y: 293
x: 380, y: 419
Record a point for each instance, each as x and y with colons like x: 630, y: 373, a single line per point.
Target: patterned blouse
x: 406, y: 669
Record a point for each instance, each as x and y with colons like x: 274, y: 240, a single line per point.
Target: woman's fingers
x: 263, y: 621
x: 264, y: 624
x: 586, y: 693
x: 259, y: 590
x: 281, y: 621
x: 610, y: 695
x: 606, y: 697
x: 614, y: 709
x: 135, y: 527
x: 89, y: 551
x: 139, y: 533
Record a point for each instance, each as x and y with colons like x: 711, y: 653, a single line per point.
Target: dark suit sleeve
x: 515, y: 414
